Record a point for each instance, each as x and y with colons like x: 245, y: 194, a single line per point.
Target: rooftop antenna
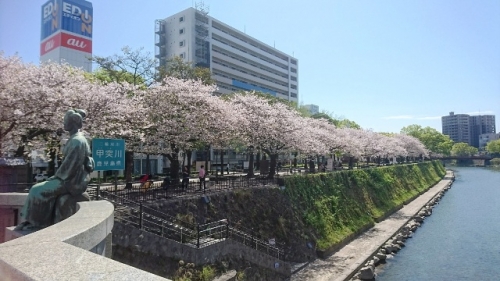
x: 202, y: 8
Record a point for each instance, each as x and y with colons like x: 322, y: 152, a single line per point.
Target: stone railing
x: 74, y: 249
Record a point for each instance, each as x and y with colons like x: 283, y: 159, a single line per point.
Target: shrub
x: 495, y: 161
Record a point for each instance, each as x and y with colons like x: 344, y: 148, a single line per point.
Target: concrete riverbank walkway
x: 341, y: 265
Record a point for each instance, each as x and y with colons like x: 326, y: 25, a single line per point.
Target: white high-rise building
x: 237, y: 61
x: 313, y: 109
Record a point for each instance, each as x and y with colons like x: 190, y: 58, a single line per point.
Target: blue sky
x: 382, y: 64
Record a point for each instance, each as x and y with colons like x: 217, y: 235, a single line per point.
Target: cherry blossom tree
x: 183, y: 113
x: 413, y: 146
x: 34, y: 99
x: 31, y: 98
x: 273, y: 126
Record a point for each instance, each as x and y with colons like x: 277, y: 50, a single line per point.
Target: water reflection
x: 460, y: 241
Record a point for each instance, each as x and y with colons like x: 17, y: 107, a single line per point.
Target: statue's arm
x: 73, y: 160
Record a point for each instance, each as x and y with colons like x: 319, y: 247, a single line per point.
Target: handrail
x: 196, y: 235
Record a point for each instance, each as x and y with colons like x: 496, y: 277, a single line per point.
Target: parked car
x: 41, y: 177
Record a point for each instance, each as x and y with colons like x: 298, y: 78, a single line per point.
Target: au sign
x: 76, y: 43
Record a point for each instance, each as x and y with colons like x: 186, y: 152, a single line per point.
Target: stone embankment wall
x: 393, y: 245
x: 136, y: 240
x: 339, y: 206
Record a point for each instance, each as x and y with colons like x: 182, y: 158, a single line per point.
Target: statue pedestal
x: 11, y: 234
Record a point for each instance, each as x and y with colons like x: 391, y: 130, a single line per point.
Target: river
x: 460, y: 240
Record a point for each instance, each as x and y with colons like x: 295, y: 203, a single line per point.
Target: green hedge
x: 337, y: 205
x: 495, y: 161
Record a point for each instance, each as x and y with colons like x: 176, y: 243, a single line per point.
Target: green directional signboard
x: 108, y: 154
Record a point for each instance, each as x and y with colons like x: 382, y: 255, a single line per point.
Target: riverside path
x: 344, y: 263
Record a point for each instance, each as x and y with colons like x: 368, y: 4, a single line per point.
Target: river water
x: 460, y: 240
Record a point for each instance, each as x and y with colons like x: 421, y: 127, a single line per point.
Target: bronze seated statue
x: 54, y: 200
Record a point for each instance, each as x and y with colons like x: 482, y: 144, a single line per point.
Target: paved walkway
x: 347, y: 260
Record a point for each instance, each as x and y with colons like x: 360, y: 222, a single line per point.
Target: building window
x: 181, y: 55
x: 181, y: 19
x: 181, y: 31
x: 293, y: 70
x: 294, y: 86
x: 293, y: 78
x: 181, y: 44
x: 293, y: 95
x: 294, y: 62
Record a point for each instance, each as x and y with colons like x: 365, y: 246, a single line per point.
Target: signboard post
x: 329, y: 164
x: 109, y: 155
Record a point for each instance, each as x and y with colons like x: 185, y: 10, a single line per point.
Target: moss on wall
x: 336, y: 205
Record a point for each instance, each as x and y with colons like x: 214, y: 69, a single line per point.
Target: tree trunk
x: 272, y: 168
x: 257, y: 161
x: 51, y: 170
x: 295, y: 159
x: 207, y: 158
x: 174, y: 166
x: 129, y: 168
x: 19, y: 151
x: 250, y: 164
x: 189, y: 155
x: 312, y: 167
x: 221, y: 162
x: 148, y: 165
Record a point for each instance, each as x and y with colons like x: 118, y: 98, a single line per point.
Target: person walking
x: 143, y: 180
x: 201, y: 176
x: 185, y: 178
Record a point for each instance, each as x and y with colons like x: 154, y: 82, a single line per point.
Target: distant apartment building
x: 313, y: 109
x: 236, y: 60
x: 484, y: 139
x: 457, y: 127
x: 466, y: 128
x: 482, y: 124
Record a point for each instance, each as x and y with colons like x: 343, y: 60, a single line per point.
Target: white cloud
x: 429, y: 118
x: 397, y: 117
x: 486, y: 112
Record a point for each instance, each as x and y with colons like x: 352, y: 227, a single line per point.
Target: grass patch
x: 337, y: 205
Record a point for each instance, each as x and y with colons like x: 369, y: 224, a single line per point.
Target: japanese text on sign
x: 109, y: 154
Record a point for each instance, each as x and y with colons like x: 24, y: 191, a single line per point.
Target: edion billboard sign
x: 74, y: 16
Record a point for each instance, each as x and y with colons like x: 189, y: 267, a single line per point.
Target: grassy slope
x: 338, y: 204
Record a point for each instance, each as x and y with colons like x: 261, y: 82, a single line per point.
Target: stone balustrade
x: 74, y: 249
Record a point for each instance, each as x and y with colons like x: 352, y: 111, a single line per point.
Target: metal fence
x: 157, y: 190
x: 267, y: 246
x: 193, y: 234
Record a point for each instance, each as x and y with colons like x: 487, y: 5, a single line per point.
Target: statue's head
x: 73, y: 119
